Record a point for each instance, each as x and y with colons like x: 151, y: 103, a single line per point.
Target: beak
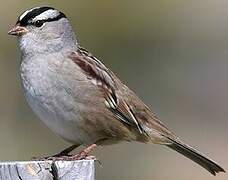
x: 18, y: 31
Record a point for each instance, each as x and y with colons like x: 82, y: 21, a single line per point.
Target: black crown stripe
x: 37, y: 11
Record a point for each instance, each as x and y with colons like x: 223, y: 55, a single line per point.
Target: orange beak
x: 18, y: 31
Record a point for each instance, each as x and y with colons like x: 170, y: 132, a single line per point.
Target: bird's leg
x: 63, y: 153
x: 66, y: 151
x: 84, y: 154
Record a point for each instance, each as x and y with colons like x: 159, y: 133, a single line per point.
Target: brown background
x: 173, y: 54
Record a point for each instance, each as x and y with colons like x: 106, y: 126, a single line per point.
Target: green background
x: 173, y: 54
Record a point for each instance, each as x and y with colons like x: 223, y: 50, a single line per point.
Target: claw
x: 84, y: 154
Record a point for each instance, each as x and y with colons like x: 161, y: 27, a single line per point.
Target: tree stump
x: 48, y: 170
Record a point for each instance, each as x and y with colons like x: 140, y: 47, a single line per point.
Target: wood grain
x: 48, y: 170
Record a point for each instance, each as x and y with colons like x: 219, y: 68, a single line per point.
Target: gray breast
x: 57, y: 91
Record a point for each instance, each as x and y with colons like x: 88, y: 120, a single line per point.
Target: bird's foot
x: 82, y: 155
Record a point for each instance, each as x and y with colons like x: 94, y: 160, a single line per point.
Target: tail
x: 195, y: 156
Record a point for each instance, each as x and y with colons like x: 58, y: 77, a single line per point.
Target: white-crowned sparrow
x: 80, y: 99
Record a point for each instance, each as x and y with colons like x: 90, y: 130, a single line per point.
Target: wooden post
x: 48, y: 170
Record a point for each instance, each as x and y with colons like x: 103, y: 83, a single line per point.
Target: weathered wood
x: 48, y: 170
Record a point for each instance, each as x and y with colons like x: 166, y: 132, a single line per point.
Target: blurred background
x: 173, y: 54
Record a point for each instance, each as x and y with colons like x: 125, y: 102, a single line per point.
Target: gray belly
x: 61, y: 119
x: 74, y: 108
x: 78, y: 117
x: 60, y: 100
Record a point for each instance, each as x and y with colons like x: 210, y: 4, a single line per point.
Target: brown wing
x: 105, y: 80
x: 126, y: 106
x: 150, y: 122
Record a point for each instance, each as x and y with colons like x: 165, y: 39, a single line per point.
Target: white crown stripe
x: 26, y: 12
x: 49, y: 14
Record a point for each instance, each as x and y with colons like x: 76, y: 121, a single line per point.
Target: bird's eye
x: 38, y: 23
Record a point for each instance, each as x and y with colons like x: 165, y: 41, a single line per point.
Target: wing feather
x: 104, y: 79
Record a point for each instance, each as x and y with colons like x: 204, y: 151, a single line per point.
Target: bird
x: 78, y: 97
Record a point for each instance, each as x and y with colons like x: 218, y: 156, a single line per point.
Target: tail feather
x: 195, y: 156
